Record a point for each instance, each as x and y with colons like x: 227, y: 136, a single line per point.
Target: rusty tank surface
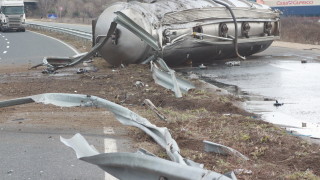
x: 200, y: 31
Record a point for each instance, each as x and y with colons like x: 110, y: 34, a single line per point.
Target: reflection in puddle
x: 293, y: 83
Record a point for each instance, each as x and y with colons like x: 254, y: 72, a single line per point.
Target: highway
x: 30, y: 48
x: 35, y: 152
x: 29, y: 151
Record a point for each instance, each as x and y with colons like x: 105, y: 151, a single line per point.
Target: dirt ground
x: 201, y: 114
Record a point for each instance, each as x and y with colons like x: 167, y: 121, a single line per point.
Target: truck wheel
x: 23, y: 30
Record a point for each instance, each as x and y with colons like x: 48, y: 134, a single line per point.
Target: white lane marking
x: 8, y: 42
x: 3, y: 36
x: 8, y: 47
x: 72, y: 48
x: 4, y: 52
x: 6, y: 39
x: 110, y: 145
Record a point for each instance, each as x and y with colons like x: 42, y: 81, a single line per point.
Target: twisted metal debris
x: 166, y: 78
x: 221, y: 149
x: 139, y: 165
x: 134, y: 163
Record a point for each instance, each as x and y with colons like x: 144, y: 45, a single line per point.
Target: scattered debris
x: 87, y: 63
x: 49, y: 71
x: 154, y: 109
x: 54, y: 63
x: 139, y: 84
x: 81, y: 71
x: 19, y: 119
x: 193, y: 76
x: 202, y: 66
x: 131, y: 162
x: 304, y: 61
x: 10, y: 172
x: 221, y: 149
x: 268, y: 99
x: 139, y: 165
x: 304, y: 124
x: 277, y: 104
x: 166, y: 77
x: 233, y: 63
x: 242, y: 172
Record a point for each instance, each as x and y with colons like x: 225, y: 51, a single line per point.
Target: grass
x: 302, y: 175
x: 202, y: 115
x: 304, y: 30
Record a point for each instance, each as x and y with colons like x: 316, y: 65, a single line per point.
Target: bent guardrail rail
x: 139, y: 165
x: 167, y: 78
x: 73, y: 32
x: 131, y: 162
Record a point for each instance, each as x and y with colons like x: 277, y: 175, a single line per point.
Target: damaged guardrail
x: 53, y: 64
x: 73, y: 32
x: 166, y: 77
x: 221, y: 149
x: 137, y: 166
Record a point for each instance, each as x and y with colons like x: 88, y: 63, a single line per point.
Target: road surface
x: 31, y: 150
x: 30, y: 48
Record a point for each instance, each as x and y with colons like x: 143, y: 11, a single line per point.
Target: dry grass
x: 205, y: 115
x: 304, y: 30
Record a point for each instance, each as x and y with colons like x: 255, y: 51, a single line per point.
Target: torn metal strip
x: 140, y: 165
x: 154, y: 109
x: 221, y: 149
x: 16, y: 102
x: 166, y: 78
x: 52, y: 62
x: 80, y: 146
x: 126, y: 22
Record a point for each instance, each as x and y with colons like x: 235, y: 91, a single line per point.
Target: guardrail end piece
x: 221, y: 149
x: 80, y: 145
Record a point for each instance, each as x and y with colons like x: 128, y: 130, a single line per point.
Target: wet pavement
x: 290, y: 76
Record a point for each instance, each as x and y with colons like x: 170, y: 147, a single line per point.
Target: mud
x: 201, y: 114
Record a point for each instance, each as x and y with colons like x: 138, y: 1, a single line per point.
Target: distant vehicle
x: 12, y: 16
x: 294, y: 7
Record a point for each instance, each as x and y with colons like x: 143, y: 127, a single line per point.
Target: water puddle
x: 263, y: 81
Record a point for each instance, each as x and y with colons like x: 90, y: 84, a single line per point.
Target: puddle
x: 262, y: 81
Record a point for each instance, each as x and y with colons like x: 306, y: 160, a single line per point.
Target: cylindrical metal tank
x: 175, y: 24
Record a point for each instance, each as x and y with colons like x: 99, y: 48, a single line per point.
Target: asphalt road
x: 35, y: 152
x: 30, y: 48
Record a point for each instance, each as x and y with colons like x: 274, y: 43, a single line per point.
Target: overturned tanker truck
x: 200, y: 31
